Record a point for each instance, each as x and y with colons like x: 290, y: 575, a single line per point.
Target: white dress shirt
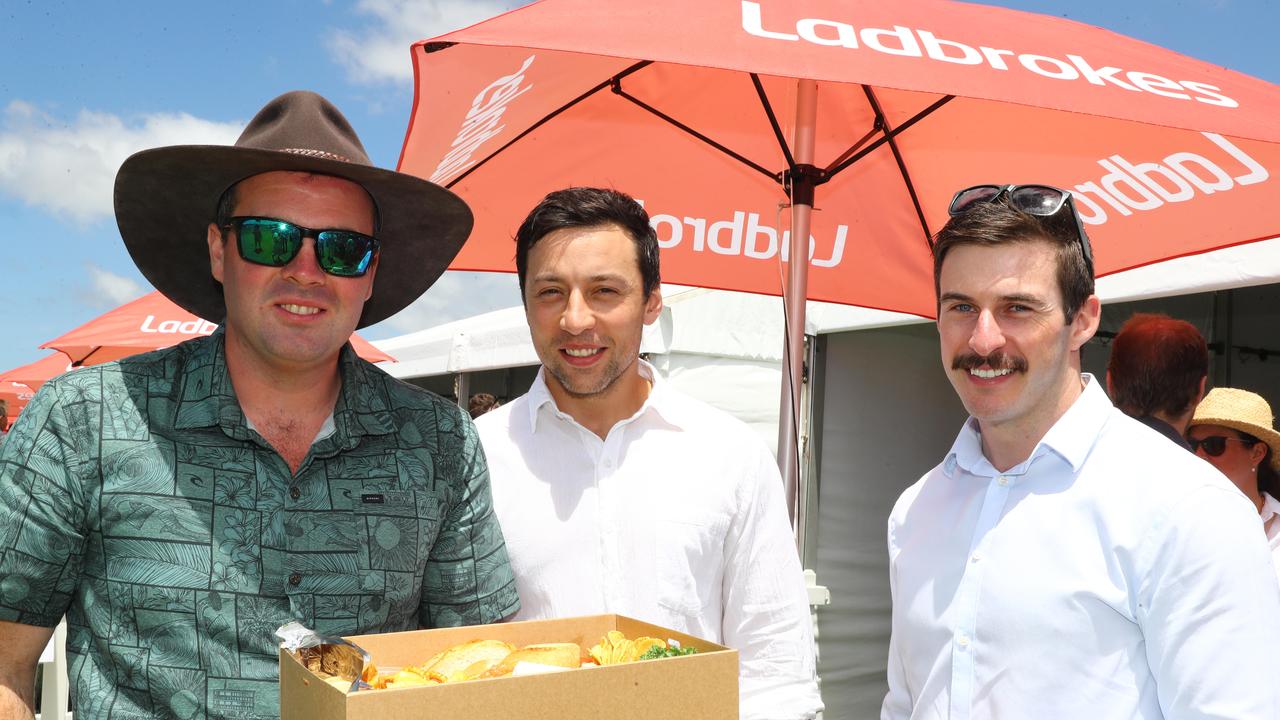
x: 1271, y: 524
x: 1112, y: 575
x: 676, y: 518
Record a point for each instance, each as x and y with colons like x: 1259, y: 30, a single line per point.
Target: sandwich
x: 565, y: 655
x: 467, y: 661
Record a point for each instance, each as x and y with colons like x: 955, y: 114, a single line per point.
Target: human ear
x: 653, y: 306
x: 1085, y: 324
x: 217, y: 250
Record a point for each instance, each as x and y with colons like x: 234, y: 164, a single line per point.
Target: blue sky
x: 84, y: 84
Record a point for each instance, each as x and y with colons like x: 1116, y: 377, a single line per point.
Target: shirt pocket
x: 365, y: 549
x: 687, y: 556
x: 388, y: 525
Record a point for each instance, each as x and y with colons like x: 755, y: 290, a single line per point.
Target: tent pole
x: 462, y: 389
x: 795, y: 292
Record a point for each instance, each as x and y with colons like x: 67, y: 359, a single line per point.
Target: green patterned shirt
x: 135, y: 499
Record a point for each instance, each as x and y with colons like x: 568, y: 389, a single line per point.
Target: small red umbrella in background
x: 854, y: 119
x: 149, y: 323
x: 15, y: 397
x: 19, y: 385
x: 35, y: 374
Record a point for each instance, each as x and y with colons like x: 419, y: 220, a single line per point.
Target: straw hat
x: 166, y: 197
x: 1243, y: 411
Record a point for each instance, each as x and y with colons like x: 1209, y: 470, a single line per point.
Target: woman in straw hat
x: 1234, y: 430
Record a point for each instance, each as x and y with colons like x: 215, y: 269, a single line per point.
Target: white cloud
x: 456, y: 295
x: 69, y: 167
x: 379, y: 53
x: 109, y: 289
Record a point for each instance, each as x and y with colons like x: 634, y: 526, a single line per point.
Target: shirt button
x: 295, y: 578
x: 962, y: 640
x: 1002, y: 481
x: 977, y: 556
x: 294, y: 492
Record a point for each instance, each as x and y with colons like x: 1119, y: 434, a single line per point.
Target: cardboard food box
x: 703, y: 685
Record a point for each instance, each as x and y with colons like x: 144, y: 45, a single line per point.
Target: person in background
x: 481, y: 403
x: 619, y: 494
x: 1157, y: 371
x: 181, y: 505
x: 4, y: 420
x: 1235, y: 431
x: 1063, y: 562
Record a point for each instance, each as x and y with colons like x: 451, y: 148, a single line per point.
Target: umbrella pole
x: 794, y: 295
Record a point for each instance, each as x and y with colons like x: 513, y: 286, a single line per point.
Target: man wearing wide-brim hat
x: 179, y: 506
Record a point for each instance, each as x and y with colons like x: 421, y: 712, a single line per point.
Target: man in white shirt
x: 618, y: 494
x: 1063, y: 561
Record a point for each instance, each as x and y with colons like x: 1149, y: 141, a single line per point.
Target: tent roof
x: 746, y: 326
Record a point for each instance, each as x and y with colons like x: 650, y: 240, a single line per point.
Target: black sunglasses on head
x: 1037, y: 200
x: 1215, y: 445
x: 272, y: 242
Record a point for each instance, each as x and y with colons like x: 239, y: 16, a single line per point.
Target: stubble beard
x: 612, y: 371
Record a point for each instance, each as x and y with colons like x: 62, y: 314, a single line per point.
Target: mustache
x: 996, y: 361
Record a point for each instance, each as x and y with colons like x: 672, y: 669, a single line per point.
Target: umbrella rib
x: 890, y: 135
x: 547, y: 118
x: 81, y: 361
x: 876, y: 127
x: 617, y: 89
x: 897, y: 156
x: 773, y: 120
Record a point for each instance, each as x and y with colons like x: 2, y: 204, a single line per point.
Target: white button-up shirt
x: 676, y: 518
x: 1271, y: 524
x: 1112, y: 575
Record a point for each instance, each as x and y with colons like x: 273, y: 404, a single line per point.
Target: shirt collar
x: 659, y: 400
x: 1270, y: 507
x: 207, y: 398
x: 1071, y: 438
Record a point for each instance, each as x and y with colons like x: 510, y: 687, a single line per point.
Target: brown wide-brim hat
x: 1243, y: 411
x: 166, y: 197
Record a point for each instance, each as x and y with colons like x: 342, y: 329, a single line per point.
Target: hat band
x: 324, y: 154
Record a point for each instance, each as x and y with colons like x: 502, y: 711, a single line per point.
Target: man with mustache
x: 618, y: 494
x: 1063, y: 561
x: 181, y: 505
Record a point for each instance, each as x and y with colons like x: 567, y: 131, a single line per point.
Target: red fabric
x: 1124, y: 127
x: 15, y: 396
x: 33, y: 375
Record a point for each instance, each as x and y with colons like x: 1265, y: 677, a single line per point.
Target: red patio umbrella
x: 721, y: 115
x: 19, y: 385
x: 15, y: 397
x: 35, y: 374
x: 149, y: 323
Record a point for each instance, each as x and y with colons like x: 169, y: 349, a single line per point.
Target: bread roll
x: 467, y: 661
x: 567, y: 655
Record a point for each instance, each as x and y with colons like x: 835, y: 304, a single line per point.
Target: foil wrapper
x: 327, y: 656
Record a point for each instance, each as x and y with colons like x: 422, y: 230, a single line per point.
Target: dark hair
x: 1268, y: 478
x: 992, y: 224
x: 1156, y: 365
x: 589, y: 207
x: 226, y: 207
x: 481, y: 403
